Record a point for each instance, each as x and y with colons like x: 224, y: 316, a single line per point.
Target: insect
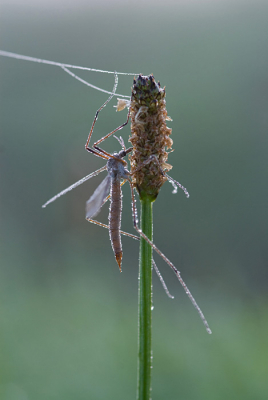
x: 110, y: 188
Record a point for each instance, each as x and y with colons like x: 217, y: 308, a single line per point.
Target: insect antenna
x: 121, y: 141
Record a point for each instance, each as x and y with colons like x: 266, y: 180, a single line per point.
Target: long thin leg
x: 162, y: 280
x: 68, y: 189
x: 99, y: 110
x: 93, y: 221
x: 101, y: 151
x: 98, y: 153
x: 177, y: 273
x: 95, y: 145
x: 174, y: 183
x: 111, y: 133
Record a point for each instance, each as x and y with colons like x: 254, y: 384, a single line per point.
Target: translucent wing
x: 96, y: 201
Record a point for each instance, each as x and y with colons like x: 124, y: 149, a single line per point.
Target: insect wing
x: 94, y: 204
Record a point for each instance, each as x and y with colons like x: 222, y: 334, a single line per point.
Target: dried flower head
x: 149, y: 136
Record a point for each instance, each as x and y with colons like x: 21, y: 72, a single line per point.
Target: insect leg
x: 74, y: 185
x: 93, y: 221
x: 101, y: 151
x: 177, y: 273
x: 162, y: 280
x: 111, y: 133
x: 174, y: 183
x: 98, y: 153
x: 99, y: 110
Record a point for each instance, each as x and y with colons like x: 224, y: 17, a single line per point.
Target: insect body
x: 110, y: 188
x: 111, y: 185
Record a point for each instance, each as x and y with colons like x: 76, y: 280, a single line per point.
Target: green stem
x: 145, y: 304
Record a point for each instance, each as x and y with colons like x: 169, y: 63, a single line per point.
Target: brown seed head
x: 149, y: 136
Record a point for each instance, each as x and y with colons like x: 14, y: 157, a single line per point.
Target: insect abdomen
x: 115, y: 220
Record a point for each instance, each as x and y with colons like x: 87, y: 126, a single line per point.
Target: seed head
x: 149, y: 136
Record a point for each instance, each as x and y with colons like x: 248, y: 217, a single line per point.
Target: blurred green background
x: 68, y: 325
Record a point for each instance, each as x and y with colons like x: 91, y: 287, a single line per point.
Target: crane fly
x: 110, y: 188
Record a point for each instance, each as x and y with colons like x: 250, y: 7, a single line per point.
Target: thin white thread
x: 65, y: 68
x: 90, y: 85
x: 39, y: 60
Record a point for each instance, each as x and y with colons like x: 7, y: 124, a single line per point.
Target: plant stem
x: 145, y: 304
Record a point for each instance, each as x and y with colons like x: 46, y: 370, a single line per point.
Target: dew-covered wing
x: 93, y: 205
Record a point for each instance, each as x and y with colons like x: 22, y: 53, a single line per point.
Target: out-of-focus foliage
x: 68, y: 318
